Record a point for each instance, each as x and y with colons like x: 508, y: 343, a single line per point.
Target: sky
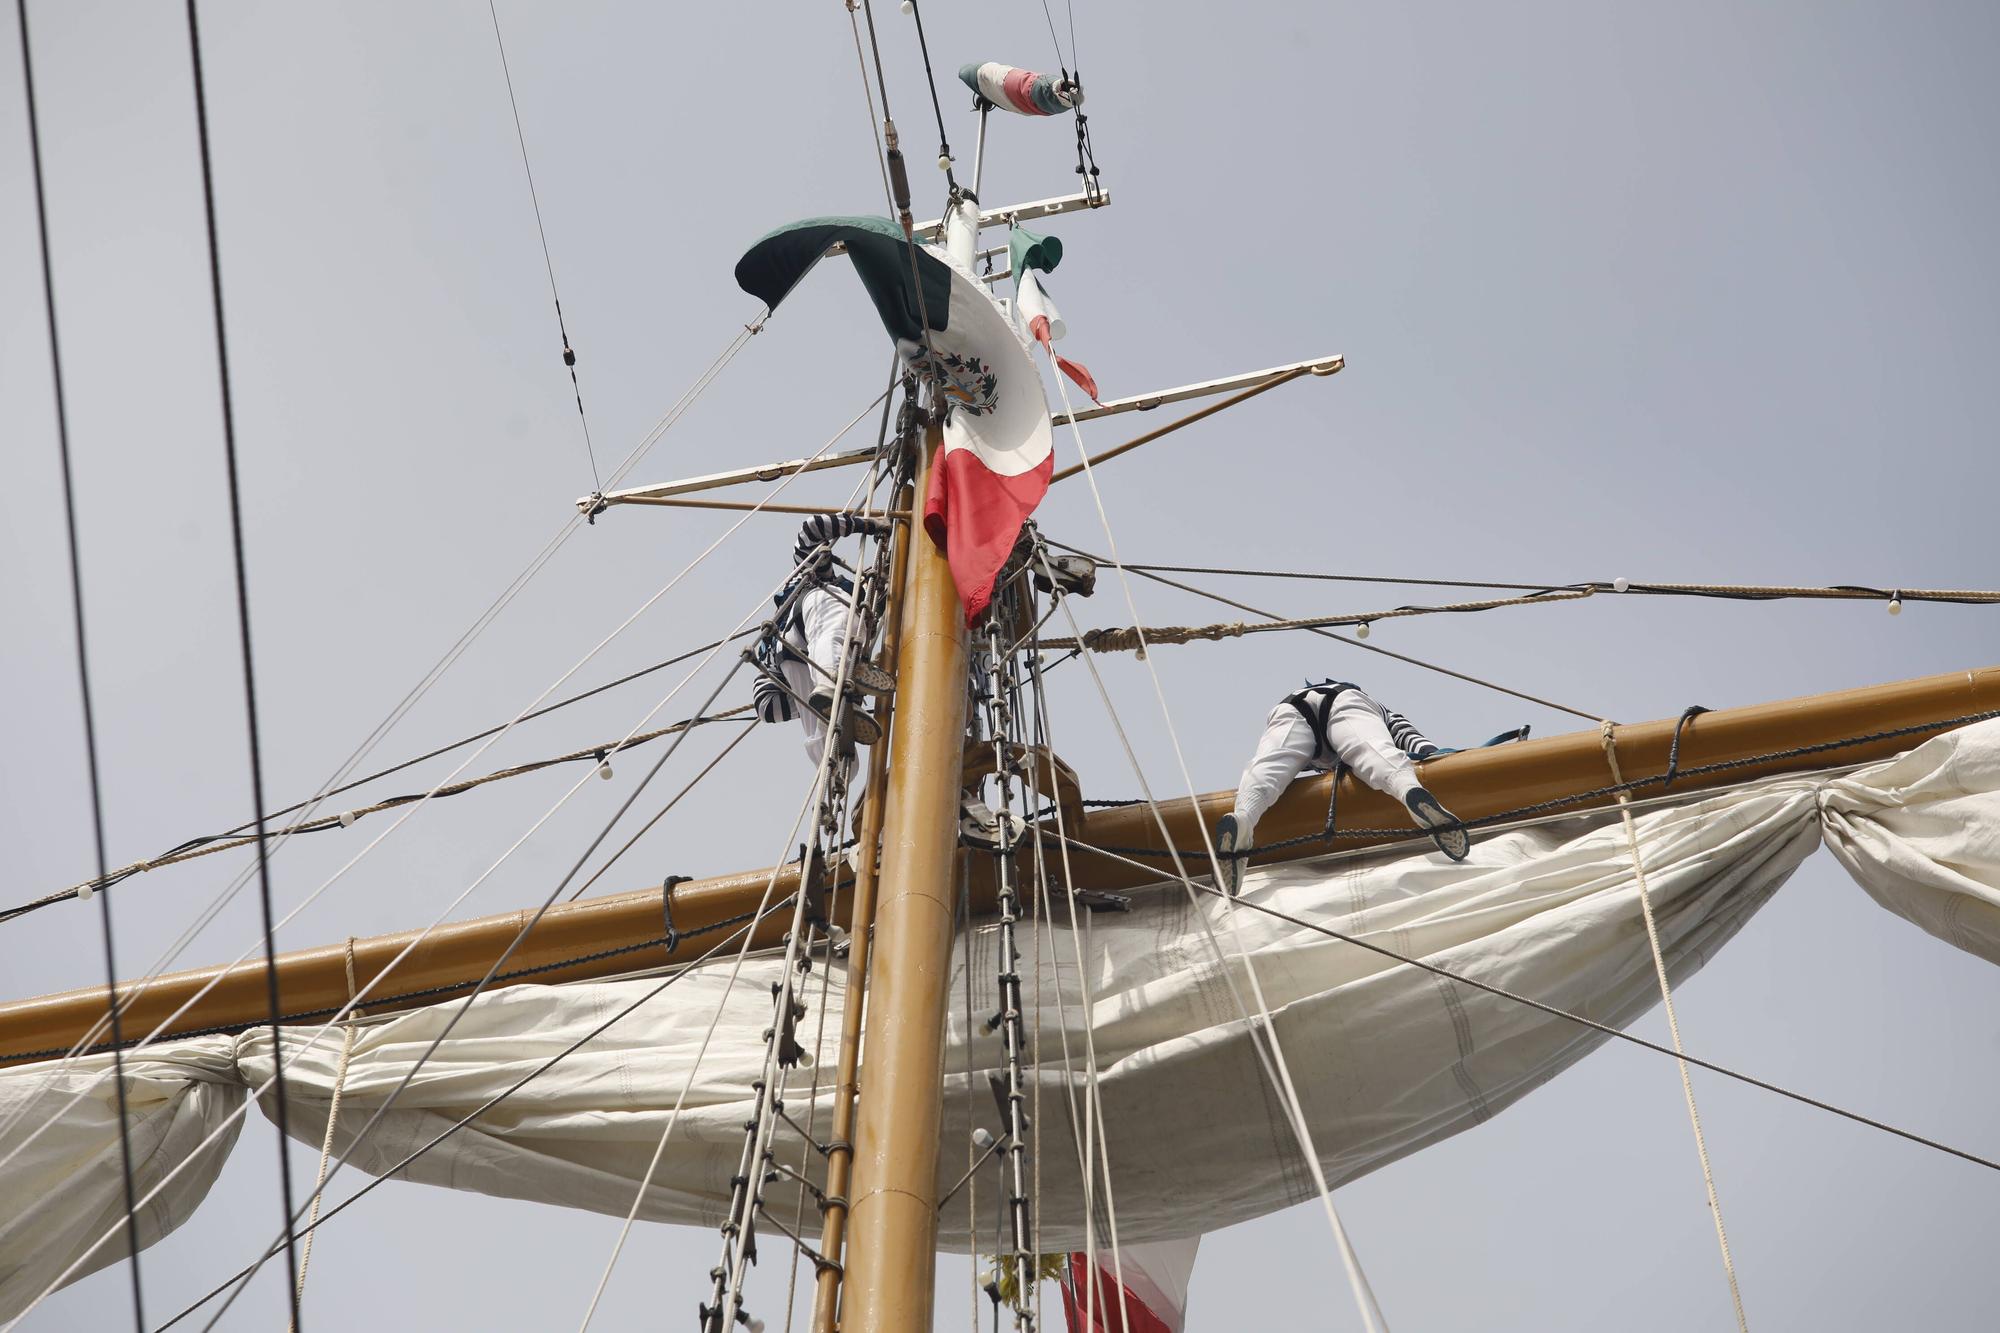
x: 1679, y: 293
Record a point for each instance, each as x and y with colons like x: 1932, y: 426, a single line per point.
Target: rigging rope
x: 1609, y: 734
x: 1275, y: 1063
x: 1352, y: 643
x: 528, y: 926
x: 1746, y: 592
x: 84, y: 692
x: 281, y: 1114
x: 1125, y: 638
x: 568, y: 354
x: 332, y: 1119
x: 746, y: 927
x: 422, y: 935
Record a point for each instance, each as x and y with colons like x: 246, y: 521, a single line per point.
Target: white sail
x: 1388, y: 1058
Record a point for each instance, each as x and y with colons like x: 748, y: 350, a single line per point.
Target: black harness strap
x: 1315, y: 704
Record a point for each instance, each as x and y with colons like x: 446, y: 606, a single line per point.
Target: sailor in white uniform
x: 1334, y: 724
x: 811, y: 638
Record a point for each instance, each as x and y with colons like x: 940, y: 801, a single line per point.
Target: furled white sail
x: 1387, y: 1057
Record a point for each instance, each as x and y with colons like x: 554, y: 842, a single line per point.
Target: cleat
x: 1443, y: 826
x: 1225, y: 855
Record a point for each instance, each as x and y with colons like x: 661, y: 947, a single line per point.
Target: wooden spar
x: 861, y: 934
x: 1475, y: 784
x: 892, y: 1218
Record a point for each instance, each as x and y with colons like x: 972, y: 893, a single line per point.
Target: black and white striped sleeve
x: 825, y: 529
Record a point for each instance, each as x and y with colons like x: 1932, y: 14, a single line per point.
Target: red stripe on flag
x: 975, y: 515
x: 1077, y: 371
x: 1106, y: 1315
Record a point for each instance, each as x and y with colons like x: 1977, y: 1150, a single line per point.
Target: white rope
x: 1371, y: 1314
x: 326, y: 1144
x: 813, y: 793
x: 131, y: 993
x: 1093, y: 1098
x: 229, y: 1121
x: 1608, y: 734
x: 382, y: 729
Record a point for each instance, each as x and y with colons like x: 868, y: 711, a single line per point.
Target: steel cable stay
x: 85, y: 695
x: 415, y: 942
x: 522, y: 933
x: 1276, y: 1065
x: 828, y: 783
x: 496, y: 736
x: 1581, y: 1020
x: 267, y: 913
x: 548, y: 261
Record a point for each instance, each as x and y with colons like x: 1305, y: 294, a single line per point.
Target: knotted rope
x: 1125, y: 638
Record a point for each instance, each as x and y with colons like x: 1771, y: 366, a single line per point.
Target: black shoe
x: 859, y: 726
x: 1445, y: 830
x: 1225, y: 855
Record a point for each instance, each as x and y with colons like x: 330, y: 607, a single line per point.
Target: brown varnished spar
x: 1474, y: 784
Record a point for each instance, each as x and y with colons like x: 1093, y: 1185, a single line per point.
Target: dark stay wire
x: 83, y: 669
x: 534, y: 197
x: 110, y: 878
x: 279, y: 1110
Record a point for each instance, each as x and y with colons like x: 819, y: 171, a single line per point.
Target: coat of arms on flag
x: 997, y: 456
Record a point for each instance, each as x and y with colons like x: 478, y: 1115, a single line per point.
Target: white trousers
x: 823, y: 615
x: 1360, y: 739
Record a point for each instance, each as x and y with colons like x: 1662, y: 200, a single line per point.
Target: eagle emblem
x: 964, y: 381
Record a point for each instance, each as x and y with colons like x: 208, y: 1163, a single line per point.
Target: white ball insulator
x: 1895, y: 606
x: 1361, y: 631
x: 982, y: 1138
x: 1621, y: 585
x: 604, y: 770
x: 346, y: 819
x: 944, y: 161
x: 909, y: 6
x: 756, y: 1326
x: 84, y: 893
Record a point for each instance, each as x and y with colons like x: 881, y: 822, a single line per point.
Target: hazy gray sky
x: 1689, y: 292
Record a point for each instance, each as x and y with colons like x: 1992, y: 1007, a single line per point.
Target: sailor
x: 1321, y: 728
x: 808, y: 640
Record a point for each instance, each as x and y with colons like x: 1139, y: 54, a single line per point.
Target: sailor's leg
x: 1283, y: 752
x: 824, y: 613
x: 1359, y: 736
x: 812, y: 727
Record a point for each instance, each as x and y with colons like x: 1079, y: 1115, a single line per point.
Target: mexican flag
x: 997, y: 456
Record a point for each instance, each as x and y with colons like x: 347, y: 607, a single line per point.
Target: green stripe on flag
x: 776, y: 264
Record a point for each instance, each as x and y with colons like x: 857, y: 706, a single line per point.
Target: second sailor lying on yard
x: 802, y: 655
x: 1321, y: 727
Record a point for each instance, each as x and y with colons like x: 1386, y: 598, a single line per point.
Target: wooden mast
x: 892, y: 1219
x: 620, y: 933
